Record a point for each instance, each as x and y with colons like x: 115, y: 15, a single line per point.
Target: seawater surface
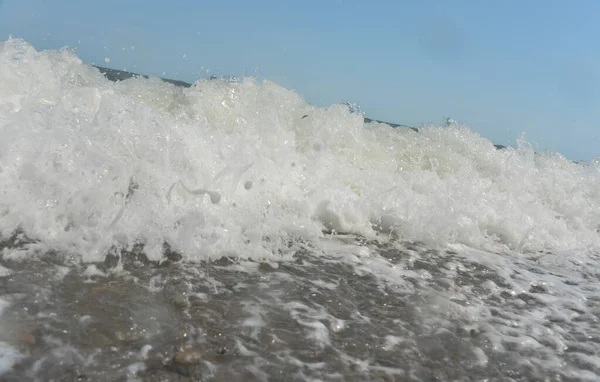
x: 232, y: 231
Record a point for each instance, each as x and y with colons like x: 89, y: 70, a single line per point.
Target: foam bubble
x: 235, y: 167
x: 8, y: 357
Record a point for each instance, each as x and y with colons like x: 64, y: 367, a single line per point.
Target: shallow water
x: 396, y: 312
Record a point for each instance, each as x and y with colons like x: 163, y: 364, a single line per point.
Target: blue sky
x: 502, y: 67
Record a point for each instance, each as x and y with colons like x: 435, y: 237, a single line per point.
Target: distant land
x: 120, y: 75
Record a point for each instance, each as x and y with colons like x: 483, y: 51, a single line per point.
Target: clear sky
x: 502, y: 67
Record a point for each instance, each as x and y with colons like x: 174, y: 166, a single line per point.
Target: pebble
x: 188, y: 355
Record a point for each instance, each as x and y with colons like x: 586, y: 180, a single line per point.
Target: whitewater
x: 233, y: 231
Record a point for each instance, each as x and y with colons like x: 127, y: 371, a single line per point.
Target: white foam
x: 255, y: 320
x: 4, y: 271
x: 92, y: 270
x: 8, y: 357
x: 391, y: 342
x: 145, y: 351
x: 133, y: 370
x: 235, y: 168
x: 3, y: 305
x: 311, y: 319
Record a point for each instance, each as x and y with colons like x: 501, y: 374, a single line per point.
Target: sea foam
x: 247, y: 167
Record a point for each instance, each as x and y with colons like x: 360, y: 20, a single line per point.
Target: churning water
x: 232, y: 231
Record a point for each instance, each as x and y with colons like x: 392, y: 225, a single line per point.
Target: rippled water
x: 361, y: 312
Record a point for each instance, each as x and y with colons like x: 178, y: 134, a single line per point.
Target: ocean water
x: 231, y: 231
